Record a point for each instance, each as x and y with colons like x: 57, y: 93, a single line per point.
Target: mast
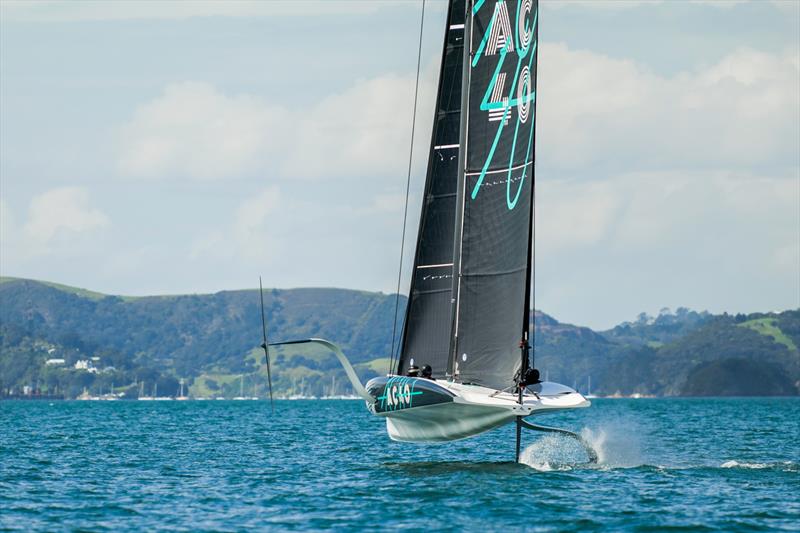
x: 452, y: 367
x: 529, y: 347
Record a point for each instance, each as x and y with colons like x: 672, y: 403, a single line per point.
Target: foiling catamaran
x: 467, y: 321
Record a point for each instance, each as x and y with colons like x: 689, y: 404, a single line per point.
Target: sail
x: 428, y: 323
x: 494, y: 224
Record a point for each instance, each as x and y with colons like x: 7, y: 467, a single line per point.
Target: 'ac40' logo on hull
x: 398, y: 394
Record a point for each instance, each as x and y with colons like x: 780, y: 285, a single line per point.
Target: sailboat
x: 182, y: 397
x: 142, y: 397
x: 241, y: 390
x: 464, y: 364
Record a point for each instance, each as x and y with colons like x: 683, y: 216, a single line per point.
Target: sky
x: 189, y: 147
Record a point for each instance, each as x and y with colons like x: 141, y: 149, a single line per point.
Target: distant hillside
x: 185, y: 336
x: 212, y: 341
x: 657, y: 331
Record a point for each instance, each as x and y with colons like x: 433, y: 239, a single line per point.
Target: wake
x: 616, y: 446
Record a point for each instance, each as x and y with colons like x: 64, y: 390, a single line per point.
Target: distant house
x: 85, y: 364
x: 54, y: 362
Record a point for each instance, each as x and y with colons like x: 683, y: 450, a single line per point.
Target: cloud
x: 720, y: 3
x: 295, y: 238
x: 743, y: 110
x: 721, y: 240
x: 60, y: 11
x: 650, y: 209
x: 363, y: 131
x: 630, y: 4
x: 61, y: 213
x: 252, y: 233
x: 192, y: 130
x: 599, y: 4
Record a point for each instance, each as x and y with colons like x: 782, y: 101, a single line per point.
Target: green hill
x: 685, y: 365
x: 189, y: 336
x: 212, y: 340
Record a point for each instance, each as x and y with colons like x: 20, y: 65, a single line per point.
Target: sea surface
x: 665, y: 464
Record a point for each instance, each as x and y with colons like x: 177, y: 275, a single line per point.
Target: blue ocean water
x: 677, y: 464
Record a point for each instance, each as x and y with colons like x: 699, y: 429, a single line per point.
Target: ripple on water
x: 670, y: 464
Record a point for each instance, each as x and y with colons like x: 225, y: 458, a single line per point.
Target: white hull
x: 475, y: 410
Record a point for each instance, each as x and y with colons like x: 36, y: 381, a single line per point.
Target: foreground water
x: 694, y: 464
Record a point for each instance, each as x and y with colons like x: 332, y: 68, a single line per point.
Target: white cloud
x: 598, y: 4
x: 574, y: 213
x: 294, y: 240
x: 83, y: 10
x: 363, y: 131
x: 744, y: 110
x: 251, y: 231
x: 251, y: 235
x: 609, y: 248
x: 649, y: 209
x: 193, y: 130
x: 725, y: 4
x: 629, y: 4
x: 61, y: 213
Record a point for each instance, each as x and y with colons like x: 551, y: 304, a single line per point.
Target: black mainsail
x: 494, y: 261
x: 469, y: 302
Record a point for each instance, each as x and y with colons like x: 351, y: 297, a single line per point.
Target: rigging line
x: 408, y: 187
x: 533, y: 271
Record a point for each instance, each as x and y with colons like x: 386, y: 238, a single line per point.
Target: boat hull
x: 445, y: 422
x: 422, y: 410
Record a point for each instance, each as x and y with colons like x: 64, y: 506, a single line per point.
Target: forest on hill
x: 126, y: 345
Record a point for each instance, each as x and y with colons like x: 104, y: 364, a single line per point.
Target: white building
x: 85, y: 364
